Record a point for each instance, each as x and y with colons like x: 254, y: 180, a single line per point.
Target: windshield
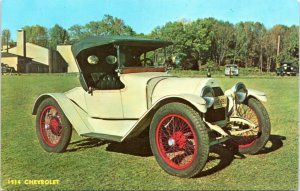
x: 231, y: 66
x: 133, y: 56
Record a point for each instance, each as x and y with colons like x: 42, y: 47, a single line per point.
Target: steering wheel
x: 147, y: 62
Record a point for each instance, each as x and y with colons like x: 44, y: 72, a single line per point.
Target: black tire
x: 187, y: 138
x: 256, y: 141
x: 55, y: 134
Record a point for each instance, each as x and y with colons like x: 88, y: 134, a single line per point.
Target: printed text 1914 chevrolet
x: 125, y: 93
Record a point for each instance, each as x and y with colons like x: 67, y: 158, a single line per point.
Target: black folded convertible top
x: 116, y: 40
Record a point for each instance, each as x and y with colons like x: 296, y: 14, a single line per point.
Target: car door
x: 104, y: 104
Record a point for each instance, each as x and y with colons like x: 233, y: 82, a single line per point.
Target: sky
x: 144, y: 15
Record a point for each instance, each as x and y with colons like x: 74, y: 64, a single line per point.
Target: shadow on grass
x: 136, y: 147
x: 84, y: 144
x: 274, y: 143
x: 221, y: 156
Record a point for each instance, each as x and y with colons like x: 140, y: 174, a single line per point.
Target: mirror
x: 93, y: 59
x: 111, y: 59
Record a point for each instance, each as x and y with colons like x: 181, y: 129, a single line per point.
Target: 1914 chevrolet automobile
x: 125, y: 92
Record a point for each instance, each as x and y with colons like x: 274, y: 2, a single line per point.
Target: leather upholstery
x: 105, y: 81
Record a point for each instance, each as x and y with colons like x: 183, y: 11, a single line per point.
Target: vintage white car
x: 126, y: 92
x: 231, y: 70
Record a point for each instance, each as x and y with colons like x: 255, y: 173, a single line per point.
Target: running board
x: 103, y: 136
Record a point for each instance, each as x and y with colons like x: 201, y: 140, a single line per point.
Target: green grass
x: 92, y: 164
x: 246, y: 73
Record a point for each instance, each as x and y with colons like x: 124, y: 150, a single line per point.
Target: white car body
x: 118, y: 114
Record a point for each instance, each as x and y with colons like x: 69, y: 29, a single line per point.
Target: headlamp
x: 240, y: 92
x: 208, y: 95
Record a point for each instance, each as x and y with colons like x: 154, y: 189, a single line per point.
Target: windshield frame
x: 128, y: 54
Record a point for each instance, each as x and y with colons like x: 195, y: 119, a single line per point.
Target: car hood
x: 177, y: 86
x: 155, y: 85
x: 141, y: 79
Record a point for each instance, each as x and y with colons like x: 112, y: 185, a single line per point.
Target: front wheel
x: 52, y: 127
x: 252, y: 139
x: 179, y: 140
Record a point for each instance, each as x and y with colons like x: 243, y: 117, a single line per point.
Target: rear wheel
x: 252, y: 139
x: 52, y: 126
x: 179, y: 140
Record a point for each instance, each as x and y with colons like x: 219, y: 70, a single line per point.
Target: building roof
x: 116, y: 40
x: 8, y: 54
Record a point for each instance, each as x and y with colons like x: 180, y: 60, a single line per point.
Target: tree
x: 222, y: 37
x: 5, y: 37
x: 290, y: 49
x: 246, y: 37
x: 190, y: 39
x: 115, y: 26
x: 57, y: 35
x: 77, y: 33
x: 175, y: 32
x: 172, y: 31
x: 269, y: 44
x: 37, y: 34
x: 199, y: 42
x: 109, y: 25
x: 259, y: 33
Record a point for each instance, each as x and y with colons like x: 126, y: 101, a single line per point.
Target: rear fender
x: 72, y: 112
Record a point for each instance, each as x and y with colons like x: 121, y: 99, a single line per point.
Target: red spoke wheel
x: 179, y: 140
x: 251, y: 141
x: 53, y: 128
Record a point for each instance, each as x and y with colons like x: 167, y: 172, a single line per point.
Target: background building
x: 23, y: 64
x: 66, y: 53
x: 29, y: 58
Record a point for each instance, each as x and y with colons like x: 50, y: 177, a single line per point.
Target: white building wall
x: 66, y: 53
x: 38, y: 53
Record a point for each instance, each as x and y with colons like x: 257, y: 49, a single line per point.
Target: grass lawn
x: 91, y: 164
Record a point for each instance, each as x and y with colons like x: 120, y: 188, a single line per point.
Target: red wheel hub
x: 180, y: 139
x: 54, y: 126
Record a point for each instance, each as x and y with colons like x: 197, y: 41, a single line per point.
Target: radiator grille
x: 213, y: 115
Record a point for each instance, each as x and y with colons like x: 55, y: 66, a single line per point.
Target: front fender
x: 71, y: 110
x: 197, y: 101
x: 261, y: 96
x: 144, y: 121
